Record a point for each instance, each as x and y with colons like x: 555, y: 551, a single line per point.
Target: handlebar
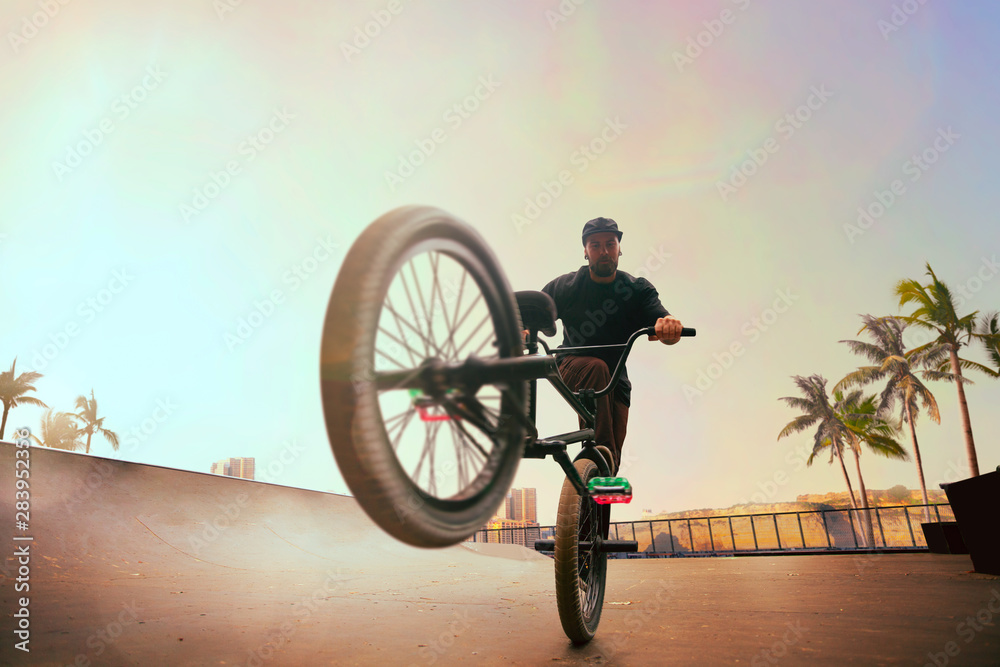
x: 686, y: 332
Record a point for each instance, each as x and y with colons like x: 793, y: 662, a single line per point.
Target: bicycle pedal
x: 607, y: 490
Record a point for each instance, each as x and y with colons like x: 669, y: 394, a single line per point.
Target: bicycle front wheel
x: 581, y: 567
x: 419, y: 286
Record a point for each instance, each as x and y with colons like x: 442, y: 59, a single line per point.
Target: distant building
x: 519, y: 523
x: 521, y: 506
x: 510, y: 531
x: 234, y: 467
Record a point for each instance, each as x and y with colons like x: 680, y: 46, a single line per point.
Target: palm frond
x: 31, y: 400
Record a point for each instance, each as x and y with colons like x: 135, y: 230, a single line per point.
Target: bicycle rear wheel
x: 581, y: 569
x: 420, y: 286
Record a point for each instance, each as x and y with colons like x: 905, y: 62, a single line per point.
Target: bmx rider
x: 600, y: 305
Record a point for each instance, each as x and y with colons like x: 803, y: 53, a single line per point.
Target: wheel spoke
x: 475, y: 443
x: 425, y: 338
x: 423, y: 307
x: 475, y: 331
x: 465, y: 454
x: 402, y: 427
x: 388, y: 357
x: 413, y: 353
x: 400, y: 320
x: 413, y: 309
x: 427, y: 453
x: 395, y: 417
x: 468, y: 310
x: 489, y: 339
x: 454, y: 317
x: 457, y: 440
x: 449, y: 342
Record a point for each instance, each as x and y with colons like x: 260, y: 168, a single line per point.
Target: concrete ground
x: 139, y: 565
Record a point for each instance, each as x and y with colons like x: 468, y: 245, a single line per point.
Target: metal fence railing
x: 877, y: 528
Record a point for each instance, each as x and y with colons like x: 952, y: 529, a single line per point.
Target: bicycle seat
x: 538, y: 311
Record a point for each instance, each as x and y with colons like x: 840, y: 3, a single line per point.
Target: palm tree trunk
x: 847, y: 480
x: 89, y: 436
x: 916, y: 457
x: 865, y: 511
x: 970, y: 445
x: 3, y: 424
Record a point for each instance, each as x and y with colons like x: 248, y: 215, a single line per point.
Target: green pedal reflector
x: 607, y: 490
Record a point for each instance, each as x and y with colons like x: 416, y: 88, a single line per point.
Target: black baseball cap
x: 600, y: 225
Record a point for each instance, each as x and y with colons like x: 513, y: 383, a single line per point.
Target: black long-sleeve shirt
x: 604, y: 314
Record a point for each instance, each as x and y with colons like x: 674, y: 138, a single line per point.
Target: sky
x: 181, y: 181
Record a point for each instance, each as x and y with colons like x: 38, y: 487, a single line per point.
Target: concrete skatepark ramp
x: 133, y: 564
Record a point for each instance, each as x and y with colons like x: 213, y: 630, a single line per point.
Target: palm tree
x: 59, y: 431
x: 865, y: 428
x: 816, y: 409
x: 91, y: 423
x: 891, y: 360
x: 13, y: 389
x: 989, y: 332
x: 935, y: 311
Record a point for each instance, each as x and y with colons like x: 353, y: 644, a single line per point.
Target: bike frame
x: 583, y: 402
x: 435, y: 377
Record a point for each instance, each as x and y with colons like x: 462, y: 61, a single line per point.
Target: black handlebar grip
x: 685, y: 332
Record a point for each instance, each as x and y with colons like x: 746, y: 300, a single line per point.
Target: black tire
x: 406, y: 498
x: 580, y: 573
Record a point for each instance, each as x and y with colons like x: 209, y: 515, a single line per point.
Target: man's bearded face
x: 602, y: 251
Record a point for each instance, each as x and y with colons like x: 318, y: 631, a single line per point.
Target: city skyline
x: 234, y: 467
